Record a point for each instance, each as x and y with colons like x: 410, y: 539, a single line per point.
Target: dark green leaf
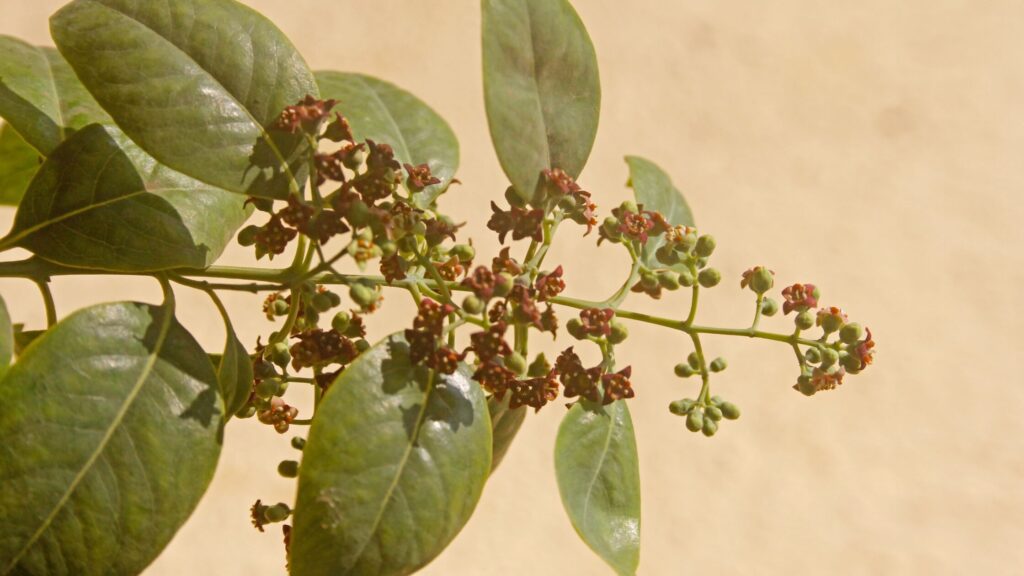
x: 18, y: 164
x: 234, y: 374
x: 599, y: 480
x: 541, y: 88
x: 395, y: 463
x: 7, y: 343
x: 22, y: 338
x: 383, y: 112
x: 111, y: 433
x: 654, y: 189
x: 196, y: 83
x: 505, y: 424
x: 100, y: 202
x: 41, y: 97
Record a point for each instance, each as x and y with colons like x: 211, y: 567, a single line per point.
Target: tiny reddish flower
x: 617, y: 386
x: 799, y: 297
x: 420, y: 176
x: 550, y: 284
x: 597, y: 321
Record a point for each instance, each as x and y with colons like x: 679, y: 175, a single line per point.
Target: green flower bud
x: 718, y: 364
x: 288, y: 468
x: 263, y: 369
x: 362, y: 295
x: 503, y: 284
x: 709, y: 277
x: 362, y: 345
x: 831, y: 323
x: 693, y: 360
x: 851, y: 362
x: 648, y: 280
x: 680, y: 407
x: 516, y: 363
x: 761, y: 280
x: 730, y: 410
x: 686, y: 278
x: 694, y: 421
x: 575, y: 328
x: 247, y: 237
x: 358, y: 214
x: 769, y: 306
x: 464, y: 252
x: 716, y: 400
x: 701, y: 262
x: 279, y: 307
x: 512, y: 197
x: 688, y: 242
x: 280, y: 355
x: 705, y: 246
x: 629, y: 206
x: 804, y: 320
x: 267, y: 388
x: 684, y: 370
x: 710, y: 427
x: 419, y: 228
x: 668, y: 279
x: 619, y: 333
x: 310, y: 318
x: 298, y: 442
x: 666, y: 255
x: 277, y: 513
x: 341, y: 322
x: 812, y: 355
x: 851, y: 333
x: 828, y: 358
x: 713, y: 412
x: 473, y: 305
x: 321, y: 302
x: 247, y: 411
x: 281, y: 388
x: 539, y: 367
x: 804, y: 385
x: 387, y: 248
x: 610, y: 228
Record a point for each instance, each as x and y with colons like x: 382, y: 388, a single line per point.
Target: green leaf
x: 7, y: 343
x: 41, y: 97
x: 99, y: 202
x: 654, y: 190
x: 196, y: 83
x: 599, y: 480
x: 22, y: 338
x: 19, y: 162
x: 382, y: 112
x: 505, y: 424
x: 234, y: 373
x: 541, y: 88
x: 395, y: 463
x: 111, y: 433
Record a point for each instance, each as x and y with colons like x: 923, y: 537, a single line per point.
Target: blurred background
x: 872, y: 148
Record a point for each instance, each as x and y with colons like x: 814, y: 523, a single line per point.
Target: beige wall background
x: 873, y: 148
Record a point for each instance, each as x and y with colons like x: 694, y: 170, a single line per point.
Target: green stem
x: 51, y: 307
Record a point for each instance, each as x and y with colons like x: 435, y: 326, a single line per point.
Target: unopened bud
x: 694, y: 421
x: 718, y: 364
x: 705, y: 246
x: 288, y: 468
x: 684, y: 370
x: 710, y: 427
x: 247, y: 237
x: 464, y: 252
x: 341, y: 322
x: 575, y: 328
x: 709, y: 277
x: 473, y: 305
x: 769, y: 307
x: 851, y: 333
x: 804, y: 320
x: 730, y: 411
x: 619, y: 333
x: 668, y: 279
x: 516, y: 363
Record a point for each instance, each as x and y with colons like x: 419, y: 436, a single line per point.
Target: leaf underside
x: 505, y: 425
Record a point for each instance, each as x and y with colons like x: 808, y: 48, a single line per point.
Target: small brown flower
x: 550, y: 284
x: 490, y: 343
x: 617, y: 386
x: 597, y: 321
x: 481, y: 282
x: 534, y: 392
x: 420, y: 177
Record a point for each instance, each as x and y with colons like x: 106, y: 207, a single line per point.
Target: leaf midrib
x: 167, y: 317
x: 597, y: 470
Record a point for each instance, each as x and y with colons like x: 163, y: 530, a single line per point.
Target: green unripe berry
x: 730, y: 411
x: 686, y: 278
x: 247, y: 411
x: 769, y: 307
x: 503, y: 284
x: 277, y: 513
x: 713, y: 412
x: 575, y: 328
x: 298, y: 442
x: 539, y: 367
x: 709, y: 277
x: 629, y: 206
x: 804, y: 320
x: 710, y: 427
x: 288, y: 468
x: 762, y: 280
x: 362, y: 345
x: 464, y: 252
x: 279, y: 307
x: 473, y: 305
x: 516, y: 363
x: 247, y: 237
x: 851, y: 333
x: 718, y: 364
x: 705, y: 246
x: 666, y: 255
x: 321, y: 302
x: 850, y: 362
x: 684, y: 370
x: 341, y: 322
x: 668, y: 279
x: 619, y: 333
x: 828, y: 358
x: 813, y: 355
x: 694, y: 420
x: 693, y: 360
x: 362, y: 295
x: 280, y: 355
x: 680, y: 407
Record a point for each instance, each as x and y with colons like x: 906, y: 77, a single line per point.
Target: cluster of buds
x: 704, y: 417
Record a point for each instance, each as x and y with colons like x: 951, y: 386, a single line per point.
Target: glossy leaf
x: 22, y: 338
x: 234, y: 374
x: 541, y: 88
x: 196, y: 83
x: 100, y: 202
x: 7, y: 344
x: 505, y: 424
x: 111, y: 428
x: 653, y: 189
x: 394, y: 465
x: 599, y: 480
x: 382, y: 112
x: 41, y: 97
x: 19, y: 162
